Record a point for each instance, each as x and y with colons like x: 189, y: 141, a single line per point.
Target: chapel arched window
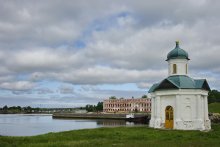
x: 174, y: 68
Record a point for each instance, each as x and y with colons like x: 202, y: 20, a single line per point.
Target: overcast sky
x: 72, y: 53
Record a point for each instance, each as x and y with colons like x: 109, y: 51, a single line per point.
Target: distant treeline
x: 28, y: 109
x: 17, y: 109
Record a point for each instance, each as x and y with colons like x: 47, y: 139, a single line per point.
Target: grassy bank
x: 214, y: 107
x: 120, y: 136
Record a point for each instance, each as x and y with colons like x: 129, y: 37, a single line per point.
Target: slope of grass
x: 119, y: 136
x: 214, y: 107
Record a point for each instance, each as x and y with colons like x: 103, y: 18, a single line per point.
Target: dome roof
x: 177, y: 53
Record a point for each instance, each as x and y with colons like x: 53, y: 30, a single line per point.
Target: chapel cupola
x: 177, y: 61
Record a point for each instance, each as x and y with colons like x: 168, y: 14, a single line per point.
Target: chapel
x: 179, y: 101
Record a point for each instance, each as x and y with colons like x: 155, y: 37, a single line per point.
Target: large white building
x: 179, y: 101
x: 127, y: 105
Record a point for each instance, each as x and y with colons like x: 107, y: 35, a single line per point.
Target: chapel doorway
x: 169, y: 117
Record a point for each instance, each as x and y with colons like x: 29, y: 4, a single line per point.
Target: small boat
x: 130, y: 116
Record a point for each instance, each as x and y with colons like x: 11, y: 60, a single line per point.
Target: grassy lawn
x: 214, y: 107
x: 120, y: 136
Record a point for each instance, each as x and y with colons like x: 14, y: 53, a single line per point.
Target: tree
x: 94, y: 108
x: 99, y: 106
x: 112, y: 97
x: 213, y: 96
x: 90, y: 108
x: 144, y: 96
x: 27, y: 109
x: 19, y: 108
x: 5, y: 109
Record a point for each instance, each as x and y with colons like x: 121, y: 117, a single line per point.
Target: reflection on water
x: 29, y: 125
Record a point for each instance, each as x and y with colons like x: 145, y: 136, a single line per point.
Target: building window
x: 186, y: 68
x: 174, y: 68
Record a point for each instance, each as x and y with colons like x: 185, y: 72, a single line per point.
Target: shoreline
x: 137, y: 117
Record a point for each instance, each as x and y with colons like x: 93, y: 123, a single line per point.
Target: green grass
x: 119, y: 136
x: 214, y: 107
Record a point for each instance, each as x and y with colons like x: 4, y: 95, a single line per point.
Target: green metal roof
x: 177, y: 53
x: 153, y: 87
x: 200, y: 82
x: 180, y: 82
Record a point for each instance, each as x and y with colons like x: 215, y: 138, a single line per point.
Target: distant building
x: 127, y: 105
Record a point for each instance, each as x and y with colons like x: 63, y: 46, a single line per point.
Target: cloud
x: 144, y: 85
x: 101, y: 75
x: 66, y: 89
x: 6, y: 78
x: 18, y: 85
x: 44, y: 91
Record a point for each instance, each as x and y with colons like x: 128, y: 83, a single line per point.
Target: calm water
x: 29, y: 125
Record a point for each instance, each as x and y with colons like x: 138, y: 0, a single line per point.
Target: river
x: 36, y: 124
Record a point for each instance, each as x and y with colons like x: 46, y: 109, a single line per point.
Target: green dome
x: 177, y: 53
